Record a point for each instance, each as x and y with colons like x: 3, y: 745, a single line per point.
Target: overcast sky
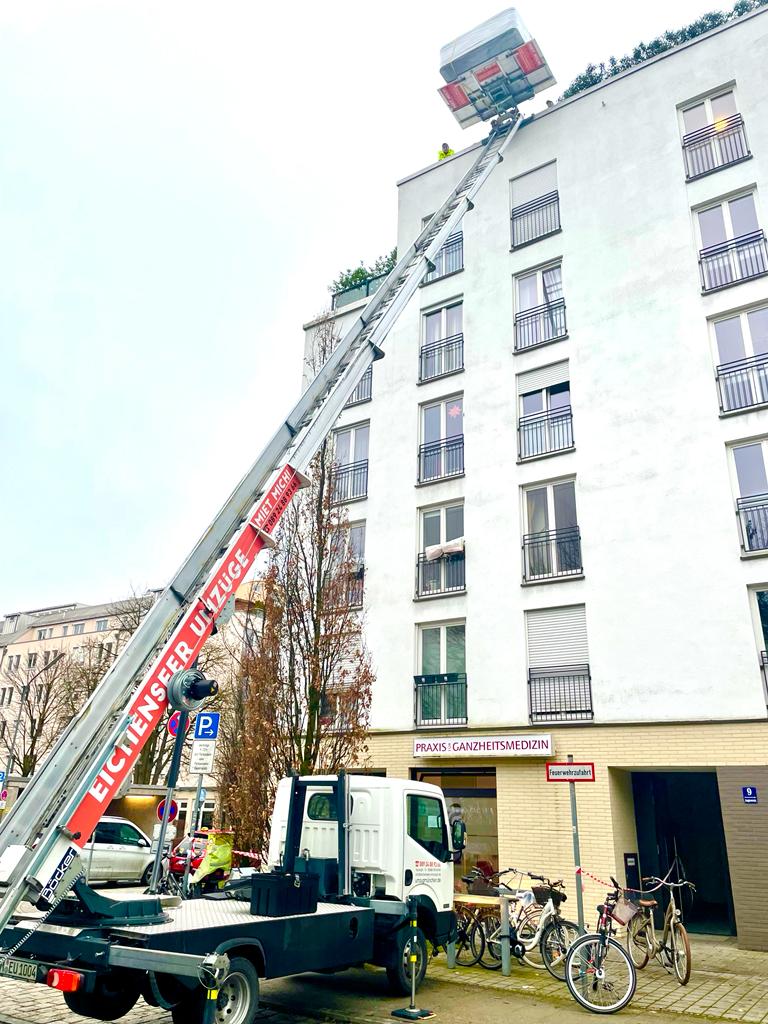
x: 179, y: 182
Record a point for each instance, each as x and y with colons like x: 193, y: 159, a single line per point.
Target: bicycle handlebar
x: 671, y: 885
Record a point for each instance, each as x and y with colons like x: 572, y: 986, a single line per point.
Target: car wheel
x: 146, y: 878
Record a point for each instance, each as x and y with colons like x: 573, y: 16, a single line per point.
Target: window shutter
x: 534, y: 184
x: 542, y: 377
x: 557, y: 636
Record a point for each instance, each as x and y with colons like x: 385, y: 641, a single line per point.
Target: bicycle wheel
x: 599, y: 974
x: 470, y: 940
x: 556, y: 939
x: 528, y: 934
x: 681, y: 953
x: 490, y: 922
x: 639, y: 941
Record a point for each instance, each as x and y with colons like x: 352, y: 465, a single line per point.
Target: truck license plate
x: 20, y: 970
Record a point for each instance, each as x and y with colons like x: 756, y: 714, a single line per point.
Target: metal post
x: 576, y: 852
x: 412, y: 1012
x: 173, y: 776
x: 506, y: 958
x: 192, y: 830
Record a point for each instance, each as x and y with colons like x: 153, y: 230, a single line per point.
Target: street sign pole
x: 576, y: 851
x: 173, y: 777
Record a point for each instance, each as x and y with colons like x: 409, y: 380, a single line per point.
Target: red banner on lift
x: 149, y: 702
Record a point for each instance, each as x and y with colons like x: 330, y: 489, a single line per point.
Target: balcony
x: 731, y: 262
x: 439, y: 358
x: 560, y: 694
x: 544, y: 433
x: 743, y: 383
x: 440, y: 699
x: 753, y: 519
x: 539, y: 325
x: 350, y: 482
x: 364, y: 290
x: 552, y: 554
x: 362, y: 392
x: 449, y: 260
x: 439, y: 460
x: 439, y: 576
x: 715, y: 146
x: 535, y: 220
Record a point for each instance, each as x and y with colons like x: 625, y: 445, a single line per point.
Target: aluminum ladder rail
x: 53, y: 793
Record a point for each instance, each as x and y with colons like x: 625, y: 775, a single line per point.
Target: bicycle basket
x: 625, y: 910
x: 481, y: 888
x: 544, y: 893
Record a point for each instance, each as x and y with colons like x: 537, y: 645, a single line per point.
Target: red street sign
x: 172, y: 814
x: 570, y: 771
x: 173, y: 723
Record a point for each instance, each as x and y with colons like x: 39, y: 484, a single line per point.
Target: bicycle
x: 673, y: 950
x: 598, y: 970
x: 470, y: 937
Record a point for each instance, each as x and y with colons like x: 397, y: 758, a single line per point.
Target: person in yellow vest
x: 444, y: 151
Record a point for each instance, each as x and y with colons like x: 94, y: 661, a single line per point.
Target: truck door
x: 427, y: 862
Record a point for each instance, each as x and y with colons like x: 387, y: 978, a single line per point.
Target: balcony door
x: 442, y: 698
x: 443, y: 439
x: 749, y: 461
x: 351, y: 458
x: 442, y: 349
x: 545, y: 424
x: 733, y: 221
x: 540, y: 308
x: 742, y: 355
x: 441, y: 572
x: 551, y: 546
x: 722, y: 144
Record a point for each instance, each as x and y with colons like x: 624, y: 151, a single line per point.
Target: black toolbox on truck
x: 278, y: 895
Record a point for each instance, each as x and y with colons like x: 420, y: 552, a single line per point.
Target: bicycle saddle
x: 648, y: 903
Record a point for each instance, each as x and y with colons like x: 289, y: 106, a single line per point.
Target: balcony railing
x: 440, y: 459
x: 439, y: 358
x: 537, y: 219
x: 540, y: 324
x: 560, y: 694
x: 753, y: 518
x: 544, y: 433
x: 552, y: 554
x: 730, y: 262
x: 715, y: 146
x: 358, y: 291
x: 362, y: 392
x: 444, y: 575
x: 440, y: 699
x: 350, y: 481
x: 450, y: 259
x: 743, y: 383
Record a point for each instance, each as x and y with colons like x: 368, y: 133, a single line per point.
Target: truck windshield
x: 427, y: 826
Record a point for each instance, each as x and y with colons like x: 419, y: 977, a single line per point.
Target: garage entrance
x: 677, y: 814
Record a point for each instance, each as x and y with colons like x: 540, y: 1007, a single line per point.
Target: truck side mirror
x: 459, y: 834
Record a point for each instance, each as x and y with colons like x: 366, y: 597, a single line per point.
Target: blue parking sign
x: 207, y: 725
x: 749, y: 794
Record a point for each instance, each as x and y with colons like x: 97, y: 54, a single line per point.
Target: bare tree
x: 36, y: 710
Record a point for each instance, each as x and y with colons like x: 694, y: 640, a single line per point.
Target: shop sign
x: 509, y: 745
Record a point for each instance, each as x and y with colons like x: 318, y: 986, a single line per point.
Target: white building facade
x: 559, y: 476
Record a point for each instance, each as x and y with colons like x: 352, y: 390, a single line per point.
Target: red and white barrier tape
x: 248, y: 853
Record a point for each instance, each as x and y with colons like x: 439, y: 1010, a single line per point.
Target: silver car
x: 118, y: 851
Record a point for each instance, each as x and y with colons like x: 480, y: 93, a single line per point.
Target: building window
x: 760, y: 610
x: 64, y: 630
x: 741, y: 343
x: 12, y: 663
x: 78, y: 628
x: 535, y: 206
x: 2, y: 728
x: 442, y: 347
x: 559, y: 681
x: 350, y: 476
x: 450, y: 258
x: 101, y: 625
x: 45, y: 634
x: 713, y: 135
x: 32, y: 659
x: 441, y: 453
x: 539, y: 308
x: 356, y: 542
x: 9, y: 696
x: 545, y: 421
x: 552, y: 542
x: 441, y: 687
x: 363, y: 391
x: 752, y: 501
x: 440, y: 564
x: 732, y: 243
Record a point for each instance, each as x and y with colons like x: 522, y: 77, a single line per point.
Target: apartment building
x: 557, y: 482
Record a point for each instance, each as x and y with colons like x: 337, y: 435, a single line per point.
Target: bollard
x: 412, y: 1012
x: 506, y: 958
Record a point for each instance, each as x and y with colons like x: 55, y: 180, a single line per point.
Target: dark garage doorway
x: 678, y: 814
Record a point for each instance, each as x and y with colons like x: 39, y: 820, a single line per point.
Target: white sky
x: 179, y: 183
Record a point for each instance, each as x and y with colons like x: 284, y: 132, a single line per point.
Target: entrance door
x: 678, y: 815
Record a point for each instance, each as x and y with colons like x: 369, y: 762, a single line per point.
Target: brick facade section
x: 746, y: 837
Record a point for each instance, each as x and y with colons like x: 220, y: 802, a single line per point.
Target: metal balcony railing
x: 715, y: 146
x: 439, y: 358
x: 736, y: 260
x: 450, y: 259
x: 537, y: 219
x: 552, y: 554
x: 364, y: 290
x: 540, y: 324
x: 753, y: 519
x: 743, y: 383
x: 440, y: 699
x: 444, y: 575
x: 562, y: 693
x: 362, y: 392
x: 544, y: 433
x: 441, y: 459
x: 350, y: 481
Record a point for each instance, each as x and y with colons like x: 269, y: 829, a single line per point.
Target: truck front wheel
x: 237, y: 1002
x: 399, y: 976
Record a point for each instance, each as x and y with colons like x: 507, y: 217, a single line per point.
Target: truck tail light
x: 64, y: 981
x: 528, y: 57
x: 454, y: 96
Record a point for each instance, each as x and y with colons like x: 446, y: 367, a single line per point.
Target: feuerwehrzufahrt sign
x: 509, y: 745
x: 570, y: 771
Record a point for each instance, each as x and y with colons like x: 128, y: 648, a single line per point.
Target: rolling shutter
x: 557, y: 636
x: 543, y: 377
x: 534, y: 184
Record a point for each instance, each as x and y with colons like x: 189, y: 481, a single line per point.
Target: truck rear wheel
x: 114, y: 995
x: 399, y: 976
x: 237, y: 1002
